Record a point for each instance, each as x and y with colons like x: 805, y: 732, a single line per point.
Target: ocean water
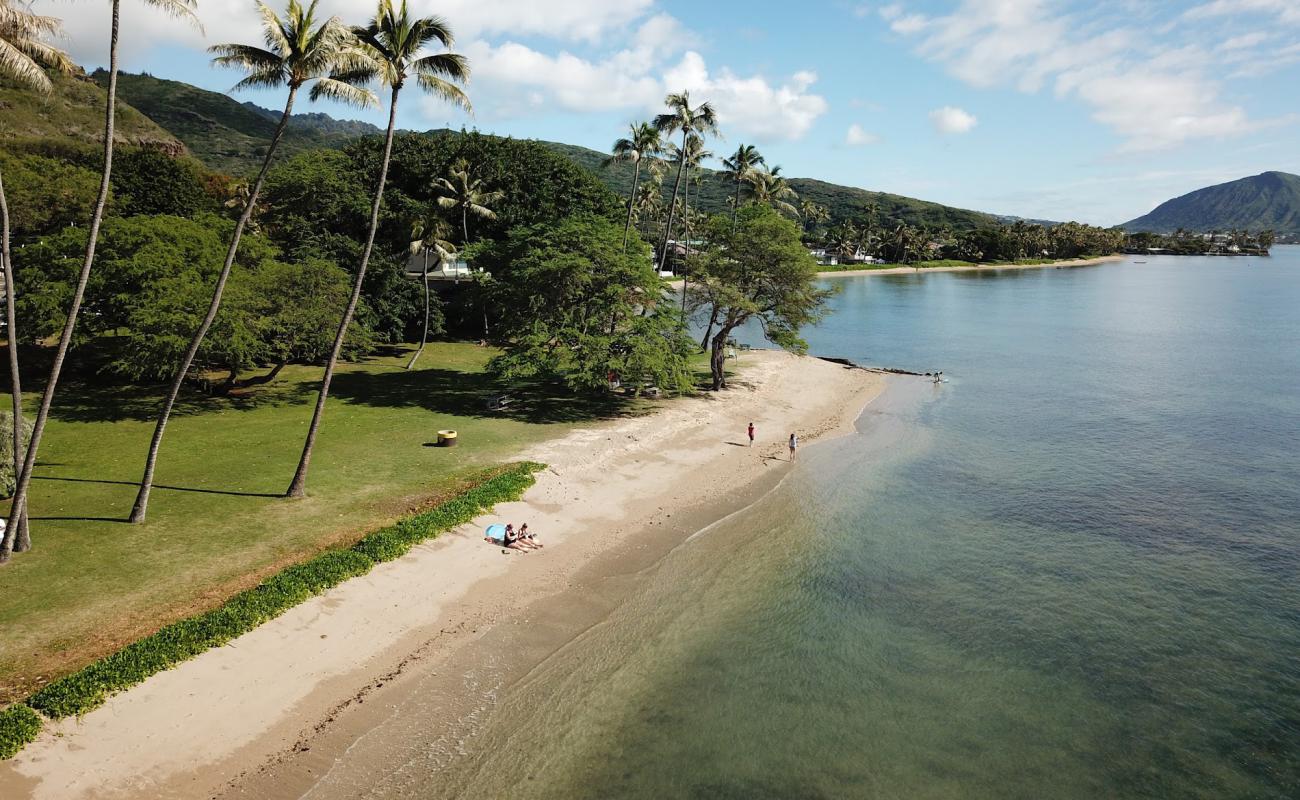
x: 1071, y: 571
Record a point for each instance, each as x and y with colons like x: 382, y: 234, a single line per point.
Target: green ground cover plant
x: 88, y: 688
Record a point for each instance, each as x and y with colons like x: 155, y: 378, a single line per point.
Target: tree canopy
x: 572, y: 302
x: 757, y: 270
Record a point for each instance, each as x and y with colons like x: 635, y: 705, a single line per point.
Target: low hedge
x: 88, y: 688
x: 18, y: 726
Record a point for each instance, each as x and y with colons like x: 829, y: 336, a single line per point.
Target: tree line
x: 183, y: 276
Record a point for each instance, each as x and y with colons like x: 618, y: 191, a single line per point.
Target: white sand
x: 189, y: 731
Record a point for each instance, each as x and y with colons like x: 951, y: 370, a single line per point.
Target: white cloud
x: 1153, y: 95
x: 575, y: 84
x: 751, y: 106
x: 951, y: 120
x: 143, y: 27
x: 1287, y: 11
x: 858, y: 136
x: 579, y: 56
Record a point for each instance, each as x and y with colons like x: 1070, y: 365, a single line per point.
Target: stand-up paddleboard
x: 496, y: 533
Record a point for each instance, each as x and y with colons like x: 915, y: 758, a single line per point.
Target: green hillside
x: 1270, y: 201
x: 231, y: 137
x: 223, y: 133
x: 844, y: 202
x: 74, y: 114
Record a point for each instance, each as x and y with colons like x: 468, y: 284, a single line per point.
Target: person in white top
x: 794, y: 445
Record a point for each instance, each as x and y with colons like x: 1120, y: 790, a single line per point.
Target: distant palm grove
x: 174, y: 279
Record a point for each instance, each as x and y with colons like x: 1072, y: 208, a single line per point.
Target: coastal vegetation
x: 207, y: 310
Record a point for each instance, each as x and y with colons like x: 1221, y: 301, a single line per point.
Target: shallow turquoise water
x: 1070, y: 572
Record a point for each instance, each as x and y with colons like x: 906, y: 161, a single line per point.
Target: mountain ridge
x: 232, y: 137
x: 1267, y: 201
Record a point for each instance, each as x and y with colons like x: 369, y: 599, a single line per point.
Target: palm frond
x: 274, y: 32
x: 18, y: 66
x: 445, y: 90
x: 181, y: 9
x: 345, y: 92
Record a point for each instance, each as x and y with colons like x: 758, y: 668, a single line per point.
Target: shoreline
x: 263, y: 709
x: 1077, y: 262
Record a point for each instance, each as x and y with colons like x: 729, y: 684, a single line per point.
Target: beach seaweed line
x: 90, y: 687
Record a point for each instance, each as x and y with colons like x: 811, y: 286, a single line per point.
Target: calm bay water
x: 1069, y: 572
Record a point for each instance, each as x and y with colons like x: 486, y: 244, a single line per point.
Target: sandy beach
x: 1078, y: 262
x: 255, y: 717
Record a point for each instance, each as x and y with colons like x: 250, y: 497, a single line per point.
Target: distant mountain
x: 844, y: 202
x: 1267, y: 201
x: 74, y: 113
x: 224, y: 133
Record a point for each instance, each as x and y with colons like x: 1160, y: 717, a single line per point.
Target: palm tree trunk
x: 424, y: 337
x: 298, y: 487
x: 672, y: 206
x: 141, y: 506
x: 735, y: 205
x: 686, y: 226
x: 19, y: 507
x: 23, y: 539
x: 631, y: 202
x: 464, y: 220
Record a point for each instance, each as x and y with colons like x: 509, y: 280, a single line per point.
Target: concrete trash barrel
x: 446, y: 438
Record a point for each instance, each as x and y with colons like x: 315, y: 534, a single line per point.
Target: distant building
x: 453, y: 268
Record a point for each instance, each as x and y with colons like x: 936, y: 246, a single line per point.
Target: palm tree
x: 691, y: 157
x: 701, y: 120
x: 429, y: 235
x: 395, y: 40
x: 770, y: 189
x: 179, y: 8
x: 643, y: 142
x: 23, y: 58
x: 298, y: 52
x: 649, y: 200
x: 737, y: 168
x: 872, y: 211
x: 466, y: 193
x: 813, y: 214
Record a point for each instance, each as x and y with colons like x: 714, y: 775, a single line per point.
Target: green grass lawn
x: 217, y: 523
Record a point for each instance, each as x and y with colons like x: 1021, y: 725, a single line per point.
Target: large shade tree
x: 396, y: 42
x: 757, y: 271
x: 24, y: 56
x: 573, y: 303
x: 298, y: 51
x: 641, y: 144
x: 180, y: 8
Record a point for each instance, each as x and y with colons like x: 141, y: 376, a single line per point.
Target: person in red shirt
x: 751, y: 434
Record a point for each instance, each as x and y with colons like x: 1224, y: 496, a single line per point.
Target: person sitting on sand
x: 511, y: 540
x: 528, y: 537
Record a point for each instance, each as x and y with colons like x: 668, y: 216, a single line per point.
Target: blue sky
x: 1094, y: 111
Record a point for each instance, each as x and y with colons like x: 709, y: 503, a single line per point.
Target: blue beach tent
x: 496, y: 532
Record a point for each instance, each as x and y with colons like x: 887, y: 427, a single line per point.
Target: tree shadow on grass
x: 228, y: 493
x: 465, y: 394
x: 90, y: 401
